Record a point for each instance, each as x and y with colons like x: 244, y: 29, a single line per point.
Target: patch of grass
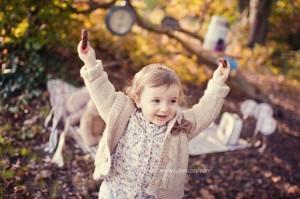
x: 7, y: 174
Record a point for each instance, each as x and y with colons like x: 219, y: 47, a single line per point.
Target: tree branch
x: 192, y: 34
x: 208, y: 58
x: 93, y: 5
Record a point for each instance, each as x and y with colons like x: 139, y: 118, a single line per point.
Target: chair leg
x: 58, y: 157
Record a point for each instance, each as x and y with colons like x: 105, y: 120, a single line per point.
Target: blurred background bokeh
x: 38, y: 42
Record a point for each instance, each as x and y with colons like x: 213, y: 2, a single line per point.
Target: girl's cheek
x: 174, y: 106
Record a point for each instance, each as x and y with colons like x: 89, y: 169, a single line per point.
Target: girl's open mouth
x: 161, y: 117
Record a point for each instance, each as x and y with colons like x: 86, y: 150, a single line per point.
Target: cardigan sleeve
x: 208, y: 107
x: 101, y: 90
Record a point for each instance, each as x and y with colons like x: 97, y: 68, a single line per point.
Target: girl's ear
x: 137, y: 101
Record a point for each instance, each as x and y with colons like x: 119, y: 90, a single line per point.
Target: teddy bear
x: 72, y: 110
x: 91, y: 125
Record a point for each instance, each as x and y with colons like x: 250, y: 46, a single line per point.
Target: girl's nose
x: 164, y: 107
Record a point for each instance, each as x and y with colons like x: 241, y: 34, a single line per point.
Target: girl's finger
x: 85, y: 50
x: 79, y: 46
x: 223, y: 62
x: 81, y: 50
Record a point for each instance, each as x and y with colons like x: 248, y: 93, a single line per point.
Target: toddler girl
x: 144, y: 149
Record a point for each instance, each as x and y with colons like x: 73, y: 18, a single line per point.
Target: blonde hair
x: 154, y: 75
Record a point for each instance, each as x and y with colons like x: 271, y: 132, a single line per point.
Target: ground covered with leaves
x: 26, y: 171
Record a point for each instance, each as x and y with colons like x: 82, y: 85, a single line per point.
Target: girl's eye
x: 173, y: 101
x: 156, y: 101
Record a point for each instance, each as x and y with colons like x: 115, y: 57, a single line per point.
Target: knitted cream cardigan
x: 115, y: 108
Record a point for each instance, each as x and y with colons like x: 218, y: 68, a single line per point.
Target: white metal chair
x: 219, y: 138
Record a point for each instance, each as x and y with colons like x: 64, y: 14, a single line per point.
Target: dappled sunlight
x: 38, y: 43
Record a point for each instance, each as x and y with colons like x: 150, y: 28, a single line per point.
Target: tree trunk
x: 259, y: 13
x: 243, y: 4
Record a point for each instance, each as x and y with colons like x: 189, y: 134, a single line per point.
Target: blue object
x: 232, y: 62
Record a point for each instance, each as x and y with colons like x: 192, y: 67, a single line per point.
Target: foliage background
x: 38, y: 42
x: 35, y: 30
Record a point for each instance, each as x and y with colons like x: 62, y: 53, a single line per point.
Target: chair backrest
x: 59, y: 91
x: 230, y: 128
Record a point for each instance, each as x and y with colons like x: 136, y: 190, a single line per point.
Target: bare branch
x: 93, y: 5
x: 208, y: 58
x: 158, y: 29
x: 192, y: 34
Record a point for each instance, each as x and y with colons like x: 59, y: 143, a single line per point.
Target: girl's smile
x: 159, y: 104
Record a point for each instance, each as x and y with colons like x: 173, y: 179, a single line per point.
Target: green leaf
x: 24, y: 152
x: 1, y: 140
x: 36, y: 45
x: 13, y: 109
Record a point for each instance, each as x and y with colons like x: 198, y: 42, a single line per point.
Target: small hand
x: 221, y: 74
x: 87, y: 55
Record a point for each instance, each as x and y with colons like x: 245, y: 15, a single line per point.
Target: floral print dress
x: 136, y: 158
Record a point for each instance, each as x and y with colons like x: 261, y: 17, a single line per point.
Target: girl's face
x: 159, y: 104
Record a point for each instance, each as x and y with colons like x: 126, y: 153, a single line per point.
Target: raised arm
x: 100, y: 88
x: 209, y: 106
